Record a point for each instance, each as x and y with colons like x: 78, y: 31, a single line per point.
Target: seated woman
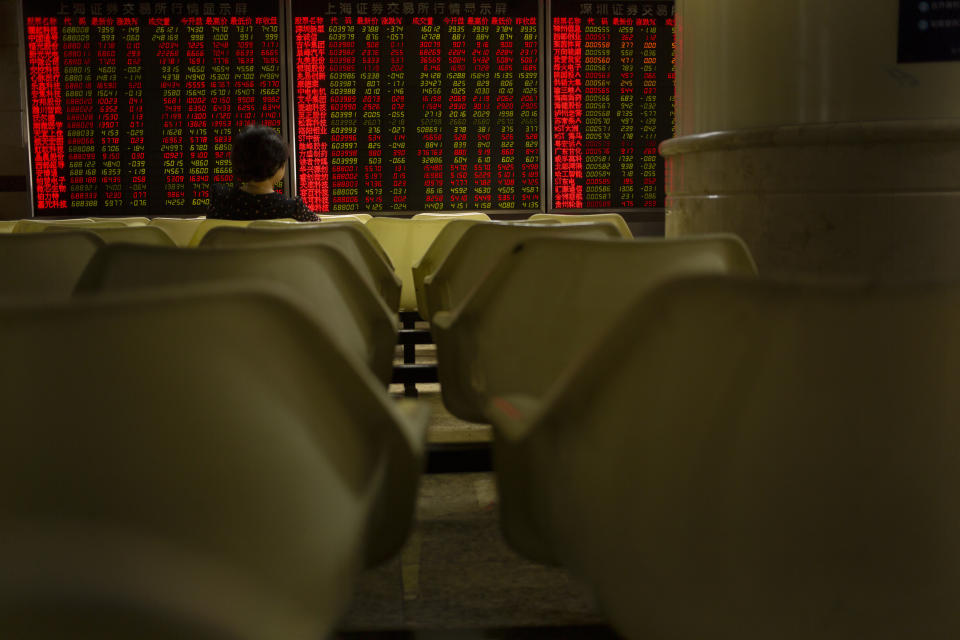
x: 259, y: 161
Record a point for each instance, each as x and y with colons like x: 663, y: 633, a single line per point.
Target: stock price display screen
x: 612, y: 87
x: 417, y: 105
x: 133, y: 106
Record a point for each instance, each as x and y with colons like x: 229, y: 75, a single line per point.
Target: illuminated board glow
x: 612, y: 83
x: 133, y: 107
x: 417, y: 106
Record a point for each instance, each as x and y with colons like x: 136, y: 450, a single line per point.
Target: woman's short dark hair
x: 258, y: 153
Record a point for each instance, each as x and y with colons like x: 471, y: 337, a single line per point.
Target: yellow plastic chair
x: 362, y: 218
x: 212, y: 223
x: 345, y: 217
x: 180, y: 229
x: 435, y: 254
x: 352, y: 238
x: 231, y: 483
x: 613, y: 218
x: 281, y: 223
x: 545, y: 302
x: 334, y: 221
x: 44, y: 264
x: 131, y: 221
x: 478, y: 251
x: 277, y: 222
x: 7, y: 226
x: 112, y: 234
x: 750, y: 460
x: 320, y: 275
x: 32, y: 225
x: 405, y: 240
x: 451, y: 215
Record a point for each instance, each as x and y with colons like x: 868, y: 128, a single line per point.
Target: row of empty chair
x: 223, y: 457
x: 183, y: 232
x: 363, y: 244
x: 405, y: 241
x: 402, y: 243
x: 342, y: 255
x: 228, y: 456
x: 541, y: 305
x: 714, y: 453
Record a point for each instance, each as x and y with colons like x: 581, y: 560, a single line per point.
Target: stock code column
x: 612, y: 91
x: 417, y: 105
x: 133, y: 106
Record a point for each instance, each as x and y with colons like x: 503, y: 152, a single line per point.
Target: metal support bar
x: 413, y: 373
x: 414, y: 336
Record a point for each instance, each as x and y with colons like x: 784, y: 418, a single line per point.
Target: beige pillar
x: 798, y: 130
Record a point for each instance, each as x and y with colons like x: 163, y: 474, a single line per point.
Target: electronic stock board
x: 393, y: 106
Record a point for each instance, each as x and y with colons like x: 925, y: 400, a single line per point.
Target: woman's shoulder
x: 294, y: 207
x: 237, y: 204
x: 224, y: 201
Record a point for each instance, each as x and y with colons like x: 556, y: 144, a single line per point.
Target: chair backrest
x: 212, y: 457
x: 277, y: 222
x: 545, y: 302
x: 614, y: 218
x: 130, y: 221
x: 7, y: 226
x: 438, y: 251
x: 282, y: 223
x: 320, y: 275
x: 451, y: 215
x: 328, y: 225
x: 44, y: 264
x: 114, y: 233
x: 405, y: 240
x: 30, y: 225
x: 180, y: 229
x: 345, y: 217
x: 33, y: 225
x: 352, y: 238
x: 481, y: 247
x: 212, y: 223
x: 736, y: 454
x: 362, y: 218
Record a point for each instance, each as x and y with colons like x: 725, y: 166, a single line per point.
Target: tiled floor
x: 456, y: 577
x: 457, y: 573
